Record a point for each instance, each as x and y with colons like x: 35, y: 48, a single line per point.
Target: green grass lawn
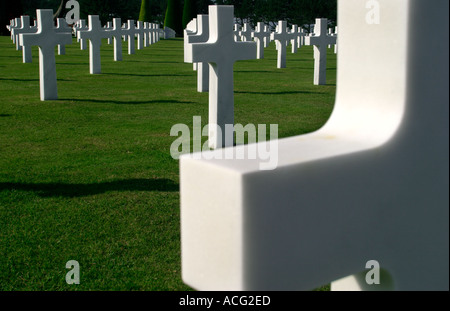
x: 90, y: 177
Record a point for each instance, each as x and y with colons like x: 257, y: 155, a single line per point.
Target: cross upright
x: 46, y: 38
x: 145, y: 34
x: 260, y: 35
x: 236, y: 32
x: 267, y: 39
x: 156, y: 33
x: 116, y: 33
x: 201, y: 35
x: 26, y: 28
x: 140, y: 32
x: 301, y: 37
x: 294, y: 38
x: 82, y: 26
x: 94, y: 34
x: 246, y: 33
x: 320, y: 40
x: 109, y: 27
x: 282, y: 38
x: 62, y: 27
x: 221, y: 52
x: 17, y: 24
x: 130, y: 32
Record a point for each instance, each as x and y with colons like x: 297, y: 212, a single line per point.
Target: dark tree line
x: 300, y: 12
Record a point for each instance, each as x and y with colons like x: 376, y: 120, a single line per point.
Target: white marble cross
x: 94, y: 34
x: 371, y: 185
x: 236, y: 32
x: 25, y: 28
x: 116, y: 33
x: 282, y: 38
x: 47, y: 37
x: 62, y: 27
x: 294, y: 38
x: 130, y: 32
x: 301, y: 37
x: 260, y: 36
x: 145, y: 34
x: 201, y: 35
x: 108, y: 26
x: 17, y: 24
x: 320, y: 40
x: 140, y: 33
x: 246, y: 33
x: 266, y: 39
x: 221, y: 52
x: 82, y: 26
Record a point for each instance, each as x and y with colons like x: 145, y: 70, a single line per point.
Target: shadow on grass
x: 279, y: 93
x: 141, y: 75
x: 117, y: 102
x: 257, y: 71
x: 82, y: 190
x: 30, y: 80
x: 5, y: 115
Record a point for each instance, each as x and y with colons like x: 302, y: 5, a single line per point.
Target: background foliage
x: 300, y: 12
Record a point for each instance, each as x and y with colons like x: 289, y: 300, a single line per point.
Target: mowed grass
x: 89, y: 177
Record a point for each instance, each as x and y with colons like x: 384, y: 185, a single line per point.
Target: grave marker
x: 140, y: 35
x: 260, y: 36
x: 383, y: 157
x: 320, y: 40
x: 294, y: 39
x: 202, y: 35
x: 62, y: 27
x: 130, y: 32
x: 116, y: 33
x: 82, y: 26
x: 47, y: 37
x: 282, y: 38
x: 221, y: 52
x: 94, y: 34
x: 301, y: 38
x: 246, y: 33
x: 25, y: 28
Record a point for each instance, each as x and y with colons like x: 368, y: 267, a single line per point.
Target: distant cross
x: 17, y: 24
x: 301, y: 37
x: 294, y: 38
x: 320, y: 40
x: 282, y: 38
x: 130, y: 32
x: 146, y: 34
x: 82, y: 26
x: 236, y: 33
x: 221, y: 52
x: 62, y: 27
x: 200, y: 36
x: 260, y: 36
x: 246, y: 33
x: 26, y: 52
x: 140, y: 35
x: 47, y: 37
x: 94, y: 34
x: 109, y: 27
x: 267, y: 39
x: 116, y: 33
x: 156, y: 33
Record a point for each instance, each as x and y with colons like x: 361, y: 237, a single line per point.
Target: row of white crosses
x: 214, y: 42
x: 46, y: 36
x: 283, y: 36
